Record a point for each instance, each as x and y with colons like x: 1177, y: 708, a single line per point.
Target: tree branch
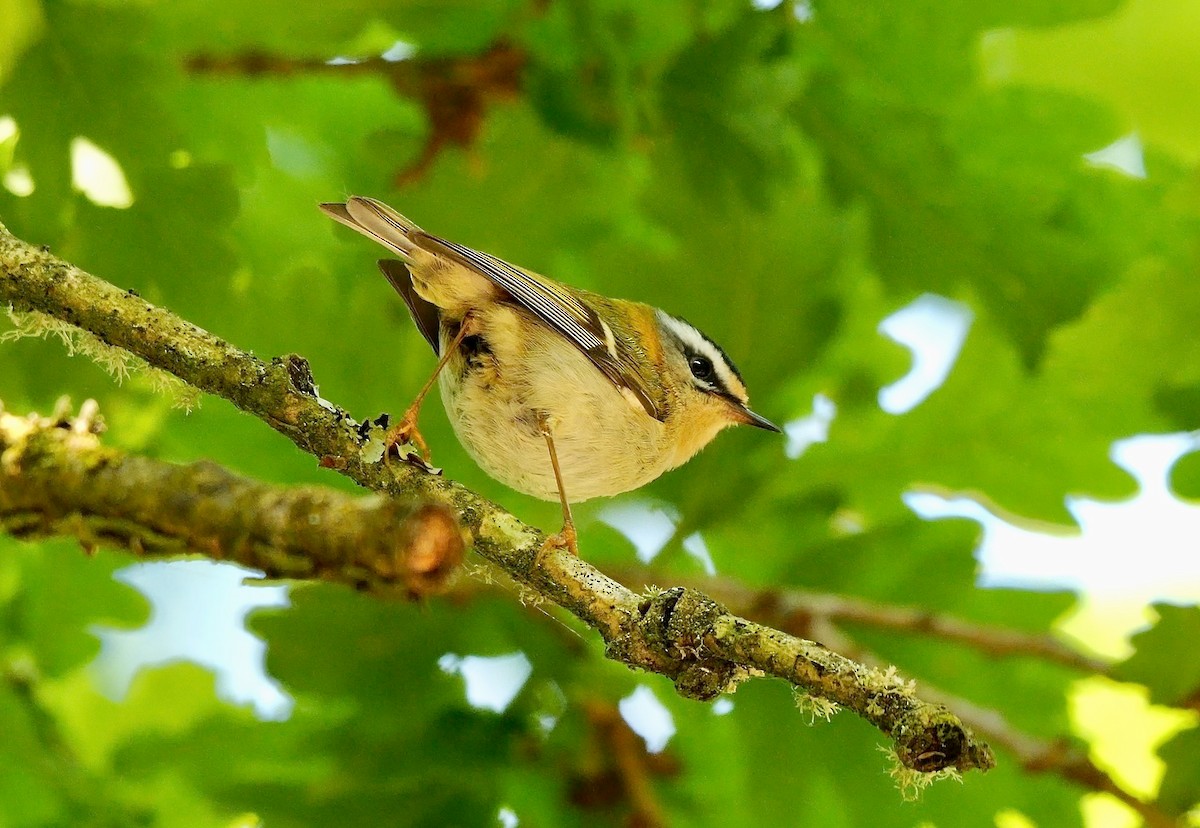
x: 455, y: 92
x: 794, y: 610
x: 1058, y: 757
x: 56, y: 478
x: 679, y: 633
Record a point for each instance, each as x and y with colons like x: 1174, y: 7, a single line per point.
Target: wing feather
x: 562, y: 310
x: 616, y: 356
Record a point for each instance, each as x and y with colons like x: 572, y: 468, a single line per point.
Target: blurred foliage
x: 785, y: 177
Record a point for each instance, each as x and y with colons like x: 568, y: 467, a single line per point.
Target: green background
x: 785, y: 178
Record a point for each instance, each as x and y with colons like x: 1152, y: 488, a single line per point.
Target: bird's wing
x: 562, y: 310
x: 615, y: 355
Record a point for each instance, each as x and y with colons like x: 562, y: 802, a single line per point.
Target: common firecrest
x: 557, y: 392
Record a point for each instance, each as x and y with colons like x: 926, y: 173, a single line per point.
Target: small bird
x: 555, y: 391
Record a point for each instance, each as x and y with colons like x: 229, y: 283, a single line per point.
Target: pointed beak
x: 745, y: 415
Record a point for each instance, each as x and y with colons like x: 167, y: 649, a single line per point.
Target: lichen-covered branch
x: 56, y: 478
x: 1060, y: 757
x: 678, y: 633
x: 795, y: 610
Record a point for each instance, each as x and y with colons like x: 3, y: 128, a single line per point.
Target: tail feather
x: 452, y: 283
x: 426, y: 314
x: 376, y: 221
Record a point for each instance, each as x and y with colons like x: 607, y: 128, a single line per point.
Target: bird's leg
x: 406, y: 430
x: 566, y: 537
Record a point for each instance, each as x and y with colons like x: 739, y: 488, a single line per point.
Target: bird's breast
x: 511, y: 373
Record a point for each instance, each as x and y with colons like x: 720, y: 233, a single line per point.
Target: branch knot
x: 670, y: 632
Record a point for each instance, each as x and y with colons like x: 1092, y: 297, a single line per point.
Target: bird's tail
x: 377, y: 221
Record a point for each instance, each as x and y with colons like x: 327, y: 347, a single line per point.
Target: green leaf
x: 94, y: 74
x: 725, y: 102
x: 785, y: 179
x: 62, y: 593
x: 1165, y: 659
x: 28, y: 794
x: 24, y: 23
x: 1178, y: 792
x: 1185, y: 476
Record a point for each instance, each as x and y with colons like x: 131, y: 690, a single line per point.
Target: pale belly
x: 605, y: 444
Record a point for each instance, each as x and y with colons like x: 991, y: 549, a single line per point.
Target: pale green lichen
x: 117, y: 362
x: 741, y: 674
x: 890, y: 679
x: 886, y: 682
x: 181, y: 394
x: 505, y: 530
x: 376, y: 444
x: 34, y: 324
x: 814, y: 707
x: 372, y: 450
x: 912, y: 783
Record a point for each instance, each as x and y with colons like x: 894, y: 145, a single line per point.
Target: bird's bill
x: 744, y: 415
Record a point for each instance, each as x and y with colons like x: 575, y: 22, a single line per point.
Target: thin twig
x: 793, y: 609
x: 627, y: 752
x: 1034, y: 755
x: 455, y: 91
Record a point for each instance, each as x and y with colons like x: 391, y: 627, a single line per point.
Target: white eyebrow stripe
x: 698, y: 343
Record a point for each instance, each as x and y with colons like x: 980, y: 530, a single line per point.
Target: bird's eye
x: 701, y: 368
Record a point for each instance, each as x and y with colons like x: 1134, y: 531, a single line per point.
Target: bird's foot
x: 566, y: 538
x: 405, y: 432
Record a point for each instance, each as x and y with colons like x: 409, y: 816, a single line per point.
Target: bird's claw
x: 566, y: 538
x: 402, y: 433
x: 404, y: 441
